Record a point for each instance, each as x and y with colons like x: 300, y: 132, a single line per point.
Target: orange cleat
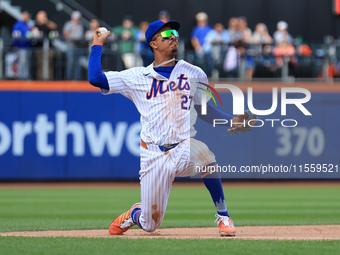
x: 123, y: 222
x: 227, y: 227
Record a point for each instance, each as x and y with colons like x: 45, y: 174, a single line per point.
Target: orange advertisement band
x: 85, y: 86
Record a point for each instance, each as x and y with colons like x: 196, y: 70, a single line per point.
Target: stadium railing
x: 315, y: 66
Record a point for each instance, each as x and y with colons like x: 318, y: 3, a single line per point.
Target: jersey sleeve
x: 201, y: 88
x: 119, y: 83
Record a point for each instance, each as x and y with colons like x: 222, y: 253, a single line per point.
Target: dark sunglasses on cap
x: 166, y: 34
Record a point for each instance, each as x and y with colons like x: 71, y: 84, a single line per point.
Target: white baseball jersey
x: 167, y: 117
x: 164, y: 104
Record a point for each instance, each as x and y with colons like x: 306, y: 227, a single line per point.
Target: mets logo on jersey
x: 157, y: 87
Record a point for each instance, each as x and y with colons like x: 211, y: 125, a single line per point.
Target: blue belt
x: 168, y: 147
x: 163, y: 148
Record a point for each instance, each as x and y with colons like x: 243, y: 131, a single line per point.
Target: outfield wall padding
x: 65, y: 131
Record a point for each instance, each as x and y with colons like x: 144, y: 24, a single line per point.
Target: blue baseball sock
x: 214, y: 185
x: 135, y: 215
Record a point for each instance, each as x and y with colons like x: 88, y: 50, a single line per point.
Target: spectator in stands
x: 212, y: 45
x: 333, y: 70
x: 44, y: 29
x: 282, y: 49
x: 197, y: 36
x: 88, y: 36
x: 94, y: 24
x: 282, y: 34
x: 236, y: 58
x: 233, y: 30
x: 242, y: 26
x: 142, y: 47
x: 258, y: 40
x: 285, y: 51
x: 73, y: 32
x: 261, y: 35
x: 268, y: 60
x: 126, y: 34
x: 218, y: 35
x: 164, y: 15
x: 304, y: 50
x: 21, y: 34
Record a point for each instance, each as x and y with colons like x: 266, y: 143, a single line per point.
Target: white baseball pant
x: 158, y: 171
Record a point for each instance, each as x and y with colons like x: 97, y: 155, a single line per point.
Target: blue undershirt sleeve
x: 212, y: 113
x: 96, y: 77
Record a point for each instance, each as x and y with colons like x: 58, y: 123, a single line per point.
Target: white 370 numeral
x: 313, y: 138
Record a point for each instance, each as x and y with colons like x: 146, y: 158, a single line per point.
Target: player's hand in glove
x: 241, y: 123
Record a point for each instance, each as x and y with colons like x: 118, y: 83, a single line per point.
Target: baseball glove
x: 246, y: 127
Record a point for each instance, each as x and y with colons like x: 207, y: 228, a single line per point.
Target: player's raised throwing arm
x: 96, y: 77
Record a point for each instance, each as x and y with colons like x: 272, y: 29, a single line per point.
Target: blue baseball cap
x: 158, y: 24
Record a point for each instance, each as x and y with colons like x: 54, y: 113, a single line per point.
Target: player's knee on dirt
x: 152, y: 219
x: 150, y: 226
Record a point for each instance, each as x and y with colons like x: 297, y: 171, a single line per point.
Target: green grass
x: 95, y: 208
x: 90, y: 246
x: 42, y: 209
x: 258, y: 206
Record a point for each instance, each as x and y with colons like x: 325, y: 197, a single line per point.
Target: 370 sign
x: 239, y: 102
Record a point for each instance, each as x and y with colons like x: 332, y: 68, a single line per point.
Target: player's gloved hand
x: 242, y: 122
x: 100, y: 39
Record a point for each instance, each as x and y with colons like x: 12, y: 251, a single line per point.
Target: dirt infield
x: 315, y: 232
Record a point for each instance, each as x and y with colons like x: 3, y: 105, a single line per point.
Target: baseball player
x: 166, y: 97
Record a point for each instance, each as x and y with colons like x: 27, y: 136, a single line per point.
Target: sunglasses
x: 167, y: 34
